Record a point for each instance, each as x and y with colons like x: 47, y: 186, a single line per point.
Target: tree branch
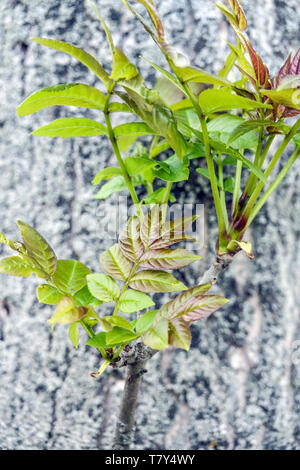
x: 135, y: 357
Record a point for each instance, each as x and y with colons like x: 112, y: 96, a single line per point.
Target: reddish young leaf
x: 150, y: 227
x: 130, y: 241
x: 239, y: 13
x: 156, y: 281
x: 168, y: 259
x: 179, y: 334
x: 200, y: 307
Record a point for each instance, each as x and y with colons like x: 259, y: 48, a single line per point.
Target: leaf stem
x: 117, y: 152
x: 222, y: 192
x: 268, y: 171
x: 273, y: 186
x: 89, y: 330
x: 237, y: 188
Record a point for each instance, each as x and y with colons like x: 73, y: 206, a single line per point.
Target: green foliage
x: 133, y: 301
x: 178, y: 114
x: 71, y: 127
x: 103, y: 287
x: 69, y: 94
x: 70, y: 276
x: 82, y: 56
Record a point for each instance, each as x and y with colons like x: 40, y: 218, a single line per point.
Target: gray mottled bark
x: 239, y: 386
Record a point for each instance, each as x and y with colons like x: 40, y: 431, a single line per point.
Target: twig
x: 135, y: 357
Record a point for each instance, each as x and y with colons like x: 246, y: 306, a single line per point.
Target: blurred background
x: 239, y: 386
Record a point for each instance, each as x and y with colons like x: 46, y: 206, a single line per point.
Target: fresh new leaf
x: 38, y: 249
x: 116, y: 320
x: 165, y: 259
x: 220, y: 147
x: 119, y: 335
x: 156, y: 281
x: 133, y: 128
x: 150, y: 226
x: 49, y: 295
x: 122, y: 68
x: 174, y: 307
x: 106, y: 174
x: 200, y: 307
x: 130, y: 241
x: 193, y: 74
x: 289, y: 97
x: 83, y: 298
x: 114, y: 263
x: 69, y: 94
x: 249, y: 126
x: 15, y: 266
x: 103, y: 287
x: 137, y: 165
x: 145, y: 321
x: 83, y: 57
x: 71, y: 127
x: 157, y: 337
x: 116, y: 185
x: 74, y: 334
x: 66, y: 312
x: 175, y: 171
x: 235, y: 246
x: 134, y: 301
x: 212, y: 101
x: 179, y: 334
x: 98, y: 341
x: 70, y: 276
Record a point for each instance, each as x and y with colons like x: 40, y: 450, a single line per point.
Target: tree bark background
x: 239, y: 386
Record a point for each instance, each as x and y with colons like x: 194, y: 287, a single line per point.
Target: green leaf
x: 74, y: 334
x: 69, y: 94
x: 165, y: 259
x: 157, y: 337
x: 98, y: 341
x: 212, y: 101
x: 114, y: 263
x: 219, y: 147
x: 71, y: 127
x: 137, y: 165
x: 119, y: 335
x: 116, y: 107
x: 103, y: 287
x: 133, y: 128
x: 83, y: 57
x: 236, y: 246
x: 106, y: 174
x: 70, y: 276
x: 116, y: 320
x: 134, y: 301
x: 177, y: 171
x: 15, y: 266
x: 156, y: 281
x: 38, y: 248
x: 172, y: 78
x: 179, y: 334
x: 204, y: 172
x: 122, y: 68
x: 145, y: 321
x: 83, y: 298
x: 193, y: 74
x: 289, y: 97
x: 48, y: 294
x: 157, y: 197
x: 116, y: 185
x: 159, y: 148
x: 249, y: 126
x: 130, y: 241
x: 296, y: 139
x: 66, y: 312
